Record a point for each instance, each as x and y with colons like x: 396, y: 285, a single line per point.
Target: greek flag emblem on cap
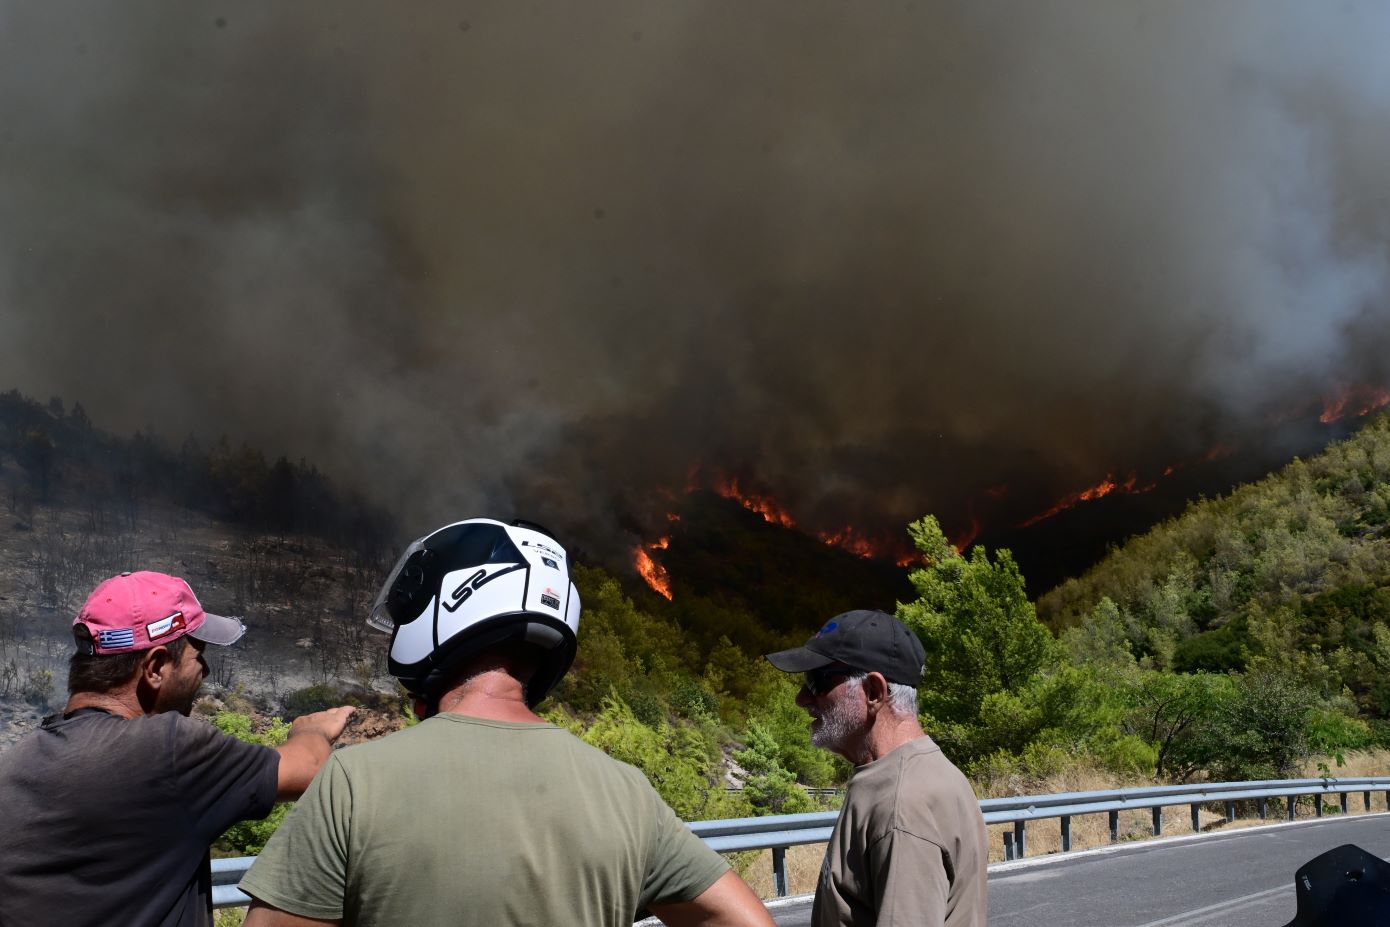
x: 123, y: 637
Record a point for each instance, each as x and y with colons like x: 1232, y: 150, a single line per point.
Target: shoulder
x: 930, y: 792
x: 908, y: 789
x: 185, y: 732
x: 923, y: 765
x: 199, y: 748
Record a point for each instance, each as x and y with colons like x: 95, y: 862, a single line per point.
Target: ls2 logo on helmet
x: 478, y: 580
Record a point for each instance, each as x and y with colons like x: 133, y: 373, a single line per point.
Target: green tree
x: 681, y: 761
x: 770, y: 787
x: 1264, y: 729
x: 1169, y: 711
x: 978, y: 628
x: 1259, y: 730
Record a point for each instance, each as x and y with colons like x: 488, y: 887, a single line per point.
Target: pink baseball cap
x: 137, y: 611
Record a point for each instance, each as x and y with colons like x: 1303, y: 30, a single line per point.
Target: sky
x: 874, y: 260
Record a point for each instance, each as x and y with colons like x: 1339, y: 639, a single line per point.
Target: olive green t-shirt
x: 462, y: 821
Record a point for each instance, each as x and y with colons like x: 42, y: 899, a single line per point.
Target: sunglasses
x: 821, y: 681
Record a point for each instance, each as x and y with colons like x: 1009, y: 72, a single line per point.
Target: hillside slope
x: 1294, y: 567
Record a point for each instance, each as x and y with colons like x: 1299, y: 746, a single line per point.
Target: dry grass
x: 1359, y: 763
x: 803, y: 869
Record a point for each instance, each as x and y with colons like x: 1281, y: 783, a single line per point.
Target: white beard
x: 841, y: 721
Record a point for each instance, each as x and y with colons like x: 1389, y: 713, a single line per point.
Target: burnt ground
x: 304, y: 603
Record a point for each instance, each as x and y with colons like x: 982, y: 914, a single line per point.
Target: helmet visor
x: 380, y: 616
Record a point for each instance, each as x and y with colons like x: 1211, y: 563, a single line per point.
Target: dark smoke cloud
x: 875, y: 257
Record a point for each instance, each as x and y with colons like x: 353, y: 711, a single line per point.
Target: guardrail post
x: 1317, y: 805
x: 779, y: 871
x: 1343, y: 797
x: 1158, y: 821
x: 1020, y: 838
x: 1115, y: 824
x: 1008, y: 845
x: 1292, y: 802
x: 1366, y: 796
x: 1262, y: 805
x: 1196, y: 821
x: 1066, y: 833
x: 1230, y: 811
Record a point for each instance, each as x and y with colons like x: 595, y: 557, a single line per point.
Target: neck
x: 122, y: 702
x: 889, y: 732
x: 493, y: 694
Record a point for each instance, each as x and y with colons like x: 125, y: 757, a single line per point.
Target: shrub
x: 770, y: 787
x: 1216, y: 651
x: 248, y: 838
x: 37, y: 686
x: 314, y: 698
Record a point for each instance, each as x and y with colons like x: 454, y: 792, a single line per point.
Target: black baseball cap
x: 866, y: 640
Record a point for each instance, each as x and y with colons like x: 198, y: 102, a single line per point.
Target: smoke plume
x: 876, y: 258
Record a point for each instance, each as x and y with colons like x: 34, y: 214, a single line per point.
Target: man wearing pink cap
x: 110, y: 807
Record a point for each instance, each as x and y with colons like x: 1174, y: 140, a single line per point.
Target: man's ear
x: 155, y: 667
x: 875, y: 691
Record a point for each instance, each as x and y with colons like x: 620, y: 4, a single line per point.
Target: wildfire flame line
x: 765, y: 506
x: 1357, y: 400
x: 846, y: 538
x: 1105, y: 487
x: 1363, y: 399
x: 652, y: 572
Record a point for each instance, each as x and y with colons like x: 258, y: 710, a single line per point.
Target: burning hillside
x: 897, y: 276
x: 1185, y: 478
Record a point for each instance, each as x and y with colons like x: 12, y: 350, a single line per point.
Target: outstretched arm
x: 303, y: 752
x: 729, y: 902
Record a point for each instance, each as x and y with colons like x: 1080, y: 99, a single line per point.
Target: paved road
x: 1238, y: 879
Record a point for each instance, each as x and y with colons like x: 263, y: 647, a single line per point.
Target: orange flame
x: 765, y: 506
x: 967, y: 537
x: 652, y: 572
x: 1363, y: 399
x: 1104, y: 488
x: 847, y: 538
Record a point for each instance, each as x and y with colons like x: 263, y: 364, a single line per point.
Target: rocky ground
x: 304, y: 604
x: 17, y: 718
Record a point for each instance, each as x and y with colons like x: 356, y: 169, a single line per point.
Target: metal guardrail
x: 780, y: 832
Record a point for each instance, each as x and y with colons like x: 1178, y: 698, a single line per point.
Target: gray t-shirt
x: 464, y: 821
x: 910, y: 846
x: 108, y: 820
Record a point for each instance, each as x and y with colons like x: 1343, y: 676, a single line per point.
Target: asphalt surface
x: 1243, y: 878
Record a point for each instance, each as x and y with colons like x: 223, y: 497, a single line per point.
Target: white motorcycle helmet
x: 469, y: 586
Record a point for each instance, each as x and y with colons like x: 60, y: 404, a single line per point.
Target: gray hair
x: 901, y: 699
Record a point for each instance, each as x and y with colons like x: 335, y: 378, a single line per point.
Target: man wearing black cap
x: 910, y: 846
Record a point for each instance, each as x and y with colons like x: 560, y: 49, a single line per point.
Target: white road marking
x: 1127, y: 846
x: 1200, y: 914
